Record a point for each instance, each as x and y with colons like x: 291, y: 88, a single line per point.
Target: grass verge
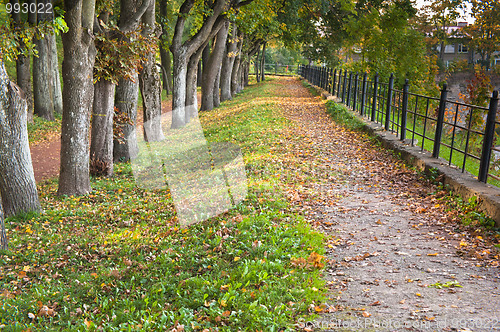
x: 117, y: 260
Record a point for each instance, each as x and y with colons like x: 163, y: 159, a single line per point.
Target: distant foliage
x: 120, y: 54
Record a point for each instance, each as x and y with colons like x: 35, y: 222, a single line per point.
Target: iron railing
x: 463, y: 134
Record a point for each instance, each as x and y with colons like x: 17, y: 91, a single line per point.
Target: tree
x: 17, y: 180
x: 23, y: 66
x: 228, y: 64
x: 127, y: 91
x: 440, y: 14
x: 183, y: 51
x: 78, y: 96
x: 208, y: 87
x: 165, y: 40
x: 45, y: 70
x: 484, y: 33
x: 149, y: 80
x: 4, y: 242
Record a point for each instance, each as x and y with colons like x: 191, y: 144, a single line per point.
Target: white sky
x: 467, y: 17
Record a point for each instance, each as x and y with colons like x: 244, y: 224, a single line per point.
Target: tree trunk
x: 182, y: 52
x: 205, y: 57
x: 211, y: 69
x: 235, y: 74
x: 166, y: 63
x: 216, y: 93
x: 4, y: 241
x: 17, y: 180
x: 179, y: 91
x: 101, y: 143
x: 43, y: 95
x: 164, y: 51
x: 42, y: 89
x: 263, y: 63
x: 228, y: 64
x: 78, y: 97
x: 55, y: 77
x: 126, y: 96
x: 191, y: 86
x: 23, y: 70
x: 257, y: 65
x: 245, y: 73
x: 149, y: 84
x: 200, y: 70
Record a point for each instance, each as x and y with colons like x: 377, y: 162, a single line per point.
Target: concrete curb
x: 463, y: 184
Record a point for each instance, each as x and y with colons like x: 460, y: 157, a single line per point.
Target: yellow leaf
x: 26, y: 268
x: 418, y: 294
x: 223, y: 303
x: 236, y: 259
x: 433, y: 254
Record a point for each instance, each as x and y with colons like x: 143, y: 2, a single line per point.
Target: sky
x: 468, y: 18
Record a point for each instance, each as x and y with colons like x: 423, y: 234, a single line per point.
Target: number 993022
x: 40, y: 8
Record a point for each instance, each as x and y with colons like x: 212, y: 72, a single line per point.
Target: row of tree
x: 109, y: 57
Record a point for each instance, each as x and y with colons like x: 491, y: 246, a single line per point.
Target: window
x: 449, y: 48
x: 462, y: 48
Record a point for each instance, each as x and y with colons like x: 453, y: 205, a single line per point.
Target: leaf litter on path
x: 390, y: 236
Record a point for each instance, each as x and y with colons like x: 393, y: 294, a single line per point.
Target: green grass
x: 117, y: 260
x: 42, y: 130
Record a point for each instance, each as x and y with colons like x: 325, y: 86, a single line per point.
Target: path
x: 46, y: 155
x: 388, y: 240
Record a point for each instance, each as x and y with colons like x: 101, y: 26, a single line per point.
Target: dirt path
x: 388, y: 240
x: 46, y: 155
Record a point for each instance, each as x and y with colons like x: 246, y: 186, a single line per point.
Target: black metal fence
x: 463, y: 134
x: 277, y: 69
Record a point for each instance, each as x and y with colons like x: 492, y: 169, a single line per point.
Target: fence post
x: 334, y: 81
x: 329, y: 81
x: 389, y: 102
x: 404, y: 110
x: 489, y: 135
x: 343, y: 86
x: 349, y: 88
x: 363, y: 95
x: 323, y: 76
x: 375, y: 92
x: 440, y: 120
x: 355, y: 97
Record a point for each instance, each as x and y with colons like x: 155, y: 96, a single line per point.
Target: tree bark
x: 182, y: 52
x: 191, y: 84
x: 235, y: 74
x: 263, y: 63
x: 17, y: 180
x: 55, y: 77
x: 4, y: 241
x: 150, y: 84
x: 164, y: 51
x: 23, y: 70
x: 216, y: 93
x: 43, y: 95
x: 205, y: 56
x: 127, y: 91
x: 101, y: 143
x: 245, y: 73
x: 257, y: 65
x: 126, y: 96
x: 213, y: 65
x: 78, y: 97
x: 228, y: 64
